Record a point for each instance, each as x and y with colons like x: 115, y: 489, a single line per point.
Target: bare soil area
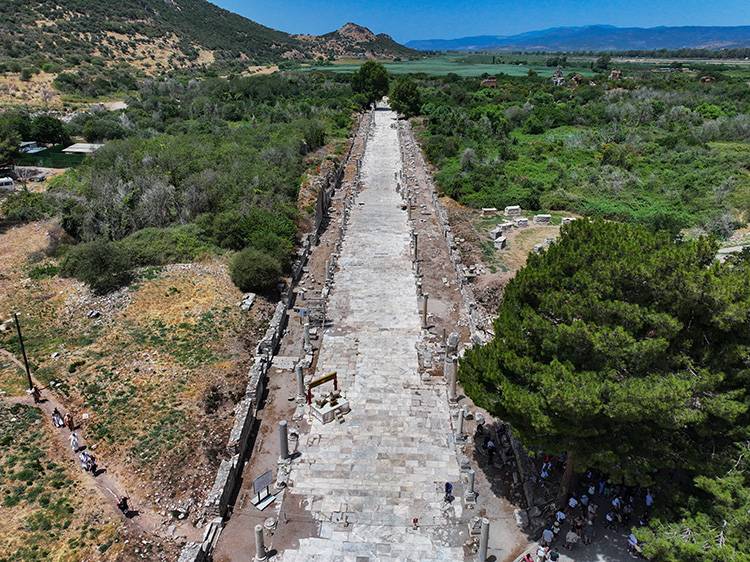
x: 151, y: 372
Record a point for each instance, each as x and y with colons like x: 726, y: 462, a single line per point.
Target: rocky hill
x: 353, y: 40
x: 162, y: 35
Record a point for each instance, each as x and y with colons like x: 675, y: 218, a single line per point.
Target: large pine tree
x: 625, y: 349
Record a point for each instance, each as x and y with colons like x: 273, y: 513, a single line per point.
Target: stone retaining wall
x: 226, y: 484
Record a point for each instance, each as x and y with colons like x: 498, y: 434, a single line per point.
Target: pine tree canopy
x: 624, y: 348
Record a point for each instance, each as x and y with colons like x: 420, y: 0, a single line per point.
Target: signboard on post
x: 262, y: 489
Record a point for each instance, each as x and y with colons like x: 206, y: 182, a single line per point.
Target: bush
x: 103, y: 266
x: 161, y: 246
x: 254, y: 270
x: 24, y: 206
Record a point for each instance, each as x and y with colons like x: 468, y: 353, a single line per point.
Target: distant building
x: 615, y: 74
x: 82, y: 148
x: 489, y: 82
x: 557, y: 78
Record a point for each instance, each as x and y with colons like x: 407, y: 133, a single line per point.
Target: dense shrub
x: 103, y: 266
x: 254, y: 270
x: 161, y: 246
x: 25, y: 206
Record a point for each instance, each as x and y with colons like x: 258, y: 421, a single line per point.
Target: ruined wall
x: 226, y: 483
x: 480, y: 323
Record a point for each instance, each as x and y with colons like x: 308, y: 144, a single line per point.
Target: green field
x: 460, y: 65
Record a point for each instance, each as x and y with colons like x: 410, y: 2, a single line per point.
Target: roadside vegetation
x: 626, y: 351
x: 190, y: 168
x: 666, y: 150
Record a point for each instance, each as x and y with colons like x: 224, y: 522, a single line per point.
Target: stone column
x: 452, y: 344
x: 460, y: 426
x: 470, y: 495
x: 424, y: 310
x: 450, y: 369
x: 260, y: 547
x: 283, y: 441
x: 300, y: 380
x: 308, y: 345
x: 484, y: 540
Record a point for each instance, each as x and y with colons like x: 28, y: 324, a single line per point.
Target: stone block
x: 522, y: 222
x: 542, y: 219
x: 513, y: 211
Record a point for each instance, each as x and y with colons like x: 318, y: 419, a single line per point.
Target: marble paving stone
x: 390, y: 459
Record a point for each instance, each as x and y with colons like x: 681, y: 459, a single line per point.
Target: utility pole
x: 23, y: 350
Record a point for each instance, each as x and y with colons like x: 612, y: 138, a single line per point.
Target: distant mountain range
x: 597, y: 38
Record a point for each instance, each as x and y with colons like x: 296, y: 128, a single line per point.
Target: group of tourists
x: 59, y: 421
x: 622, y: 506
x: 87, y: 460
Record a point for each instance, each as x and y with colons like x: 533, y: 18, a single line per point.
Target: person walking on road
x: 57, y: 419
x: 74, y: 444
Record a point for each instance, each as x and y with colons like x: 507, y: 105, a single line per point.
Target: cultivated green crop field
x: 461, y: 65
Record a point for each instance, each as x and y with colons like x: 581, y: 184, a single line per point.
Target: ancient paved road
x: 389, y: 461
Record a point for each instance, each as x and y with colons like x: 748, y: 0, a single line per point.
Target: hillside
x: 597, y: 38
x: 353, y: 40
x: 156, y: 35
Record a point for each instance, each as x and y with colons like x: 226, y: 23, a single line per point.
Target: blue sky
x: 438, y: 19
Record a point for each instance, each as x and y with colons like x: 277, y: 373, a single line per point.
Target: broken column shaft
x: 283, y: 441
x: 470, y: 494
x: 260, y: 547
x: 484, y: 540
x: 300, y: 380
x: 308, y: 345
x: 450, y: 368
x: 460, y: 425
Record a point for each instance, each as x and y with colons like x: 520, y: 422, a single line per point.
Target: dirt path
x: 109, y: 487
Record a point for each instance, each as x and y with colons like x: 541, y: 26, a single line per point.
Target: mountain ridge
x: 157, y: 35
x: 600, y: 37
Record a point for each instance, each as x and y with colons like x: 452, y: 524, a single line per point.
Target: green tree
x: 371, y: 80
x: 254, y: 270
x: 9, y: 142
x: 623, y: 349
x: 601, y: 64
x: 104, y: 266
x: 712, y: 526
x: 48, y: 129
x: 405, y: 97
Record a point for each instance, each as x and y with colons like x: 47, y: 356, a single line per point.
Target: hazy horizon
x: 443, y: 19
